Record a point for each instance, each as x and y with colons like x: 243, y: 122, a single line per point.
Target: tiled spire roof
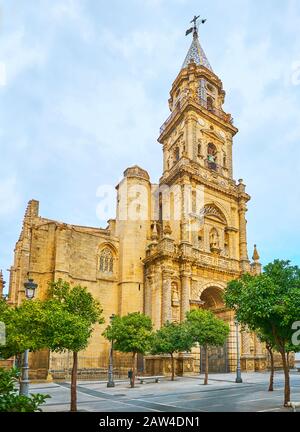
x: 197, y: 54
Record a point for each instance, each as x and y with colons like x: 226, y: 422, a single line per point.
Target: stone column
x: 243, y: 237
x: 148, y: 296
x: 166, y: 296
x: 185, y: 293
x: 156, y: 298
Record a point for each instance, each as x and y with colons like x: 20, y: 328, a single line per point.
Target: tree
x: 70, y: 314
x: 23, y: 327
x: 270, y: 348
x: 131, y: 333
x: 170, y: 339
x: 269, y: 304
x: 10, y: 401
x: 207, y: 330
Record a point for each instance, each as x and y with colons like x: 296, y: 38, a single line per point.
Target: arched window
x: 212, y: 156
x: 106, y: 261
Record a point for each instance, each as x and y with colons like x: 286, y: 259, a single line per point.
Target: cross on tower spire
x: 196, y: 52
x: 194, y: 29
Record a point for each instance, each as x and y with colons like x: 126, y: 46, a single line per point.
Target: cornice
x: 180, y: 171
x: 191, y: 104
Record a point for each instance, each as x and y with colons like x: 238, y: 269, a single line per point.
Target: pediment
x: 213, y: 212
x: 214, y: 135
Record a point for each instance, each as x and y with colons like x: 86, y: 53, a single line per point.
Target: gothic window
x: 106, y: 261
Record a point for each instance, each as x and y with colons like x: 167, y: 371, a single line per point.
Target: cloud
x: 73, y: 11
x: 17, y: 56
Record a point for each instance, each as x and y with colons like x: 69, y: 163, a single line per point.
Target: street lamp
x: 30, y: 288
x: 110, y: 382
x: 238, y: 363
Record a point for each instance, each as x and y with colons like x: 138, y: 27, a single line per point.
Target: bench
x: 149, y: 378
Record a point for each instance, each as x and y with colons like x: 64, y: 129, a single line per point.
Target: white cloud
x: 18, y: 55
x: 73, y: 10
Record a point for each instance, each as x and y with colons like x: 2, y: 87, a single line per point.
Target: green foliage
x: 10, y: 401
x: 131, y: 333
x: 172, y: 338
x: 70, y: 314
x: 77, y: 301
x: 206, y: 329
x: 24, y: 327
x: 268, y: 303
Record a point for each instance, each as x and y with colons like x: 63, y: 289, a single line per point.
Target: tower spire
x: 196, y: 52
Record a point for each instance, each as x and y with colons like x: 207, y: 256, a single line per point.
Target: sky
x: 84, y: 88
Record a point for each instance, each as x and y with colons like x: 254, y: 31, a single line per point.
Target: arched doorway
x: 212, y: 299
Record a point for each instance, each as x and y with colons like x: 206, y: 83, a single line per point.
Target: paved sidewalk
x: 185, y: 394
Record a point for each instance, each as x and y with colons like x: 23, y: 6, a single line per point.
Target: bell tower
x: 199, y: 239
x: 197, y: 141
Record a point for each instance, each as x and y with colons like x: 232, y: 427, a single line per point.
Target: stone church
x: 172, y: 247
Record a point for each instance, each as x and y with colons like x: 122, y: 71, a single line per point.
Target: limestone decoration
x: 175, y: 294
x: 214, y: 241
x: 154, y: 233
x: 255, y: 256
x: 255, y: 265
x: 195, y: 290
x: 167, y: 230
x: 136, y: 171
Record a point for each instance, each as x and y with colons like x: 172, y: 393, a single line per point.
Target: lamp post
x: 110, y: 382
x: 238, y: 362
x: 30, y: 288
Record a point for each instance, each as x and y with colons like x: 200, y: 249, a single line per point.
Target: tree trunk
x: 206, y: 366
x: 287, y: 389
x: 74, y: 383
x: 271, y: 385
x: 133, y: 371
x: 172, y: 365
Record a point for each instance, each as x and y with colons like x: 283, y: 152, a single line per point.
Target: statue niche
x: 214, y: 241
x: 175, y: 302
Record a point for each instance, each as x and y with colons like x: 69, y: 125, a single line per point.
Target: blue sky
x: 83, y: 91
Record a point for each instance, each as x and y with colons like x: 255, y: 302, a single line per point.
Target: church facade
x: 172, y: 247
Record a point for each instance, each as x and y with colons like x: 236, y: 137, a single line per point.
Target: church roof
x: 196, y: 54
